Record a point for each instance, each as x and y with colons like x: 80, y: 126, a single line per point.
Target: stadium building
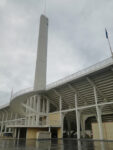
x: 78, y: 106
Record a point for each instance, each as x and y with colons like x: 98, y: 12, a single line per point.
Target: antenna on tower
x: 44, y: 6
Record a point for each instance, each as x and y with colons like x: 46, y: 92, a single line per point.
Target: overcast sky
x: 76, y: 39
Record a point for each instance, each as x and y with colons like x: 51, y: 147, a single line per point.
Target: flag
x: 106, y: 33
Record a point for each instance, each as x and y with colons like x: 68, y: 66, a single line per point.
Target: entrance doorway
x: 54, y: 133
x: 21, y: 133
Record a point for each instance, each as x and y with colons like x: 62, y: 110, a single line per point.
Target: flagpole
x: 11, y: 94
x: 110, y: 47
x: 107, y: 37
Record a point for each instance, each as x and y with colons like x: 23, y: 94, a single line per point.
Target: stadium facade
x: 80, y: 105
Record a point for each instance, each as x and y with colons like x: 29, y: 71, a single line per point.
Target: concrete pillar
x: 78, y: 122
x: 15, y: 118
x: 41, y: 63
x: 83, y: 119
x: 43, y: 105
x: 34, y: 107
x: 11, y: 114
x: 14, y: 132
x: 49, y: 129
x: 99, y: 118
x: 48, y: 106
x: 61, y: 115
x: 18, y: 136
x: 47, y: 110
x: 38, y: 109
x: 27, y: 113
x: 77, y: 117
x: 69, y: 126
x: 2, y: 123
x: 6, y: 118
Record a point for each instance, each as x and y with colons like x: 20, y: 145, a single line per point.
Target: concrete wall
x: 54, y: 119
x: 43, y: 135
x: 32, y: 132
x: 107, y: 130
x: 59, y: 133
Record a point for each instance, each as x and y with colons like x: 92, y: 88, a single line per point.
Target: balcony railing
x: 24, y: 122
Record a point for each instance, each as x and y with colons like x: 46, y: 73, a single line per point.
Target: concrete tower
x: 41, y: 62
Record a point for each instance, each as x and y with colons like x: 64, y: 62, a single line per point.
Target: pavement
x: 66, y: 144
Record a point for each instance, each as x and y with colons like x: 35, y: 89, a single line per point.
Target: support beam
x: 51, y: 101
x: 99, y: 119
x: 77, y: 118
x: 18, y: 136
x: 83, y: 119
x: 38, y: 109
x: 61, y: 115
x: 59, y: 95
x: 6, y: 121
x: 98, y: 111
x: 98, y: 90
x: 2, y: 122
x: 28, y: 107
x: 75, y: 90
x: 69, y: 126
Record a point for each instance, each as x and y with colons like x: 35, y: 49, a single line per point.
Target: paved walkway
x: 67, y: 144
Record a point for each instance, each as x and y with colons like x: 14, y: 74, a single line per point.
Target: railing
x: 100, y: 65
x: 22, y: 92
x: 24, y: 122
x: 20, y: 121
x: 97, y: 66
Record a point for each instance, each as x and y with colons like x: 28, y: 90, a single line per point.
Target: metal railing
x: 22, y: 92
x: 97, y: 66
x: 24, y: 122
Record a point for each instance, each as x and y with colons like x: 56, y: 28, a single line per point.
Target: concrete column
x: 15, y: 118
x: 14, y: 132
x: 69, y: 126
x: 2, y: 123
x: 6, y: 121
x: 77, y: 117
x: 49, y: 129
x: 30, y: 103
x: 18, y: 136
x: 47, y: 110
x: 11, y: 114
x: 61, y: 115
x: 78, y: 122
x: 43, y: 105
x: 99, y: 119
x: 27, y: 113
x: 38, y: 109
x: 83, y: 119
x: 34, y: 107
x: 32, y: 99
x: 48, y: 106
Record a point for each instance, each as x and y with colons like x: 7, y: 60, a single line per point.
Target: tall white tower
x: 41, y: 62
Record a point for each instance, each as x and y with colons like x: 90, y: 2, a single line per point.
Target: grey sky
x: 76, y: 39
